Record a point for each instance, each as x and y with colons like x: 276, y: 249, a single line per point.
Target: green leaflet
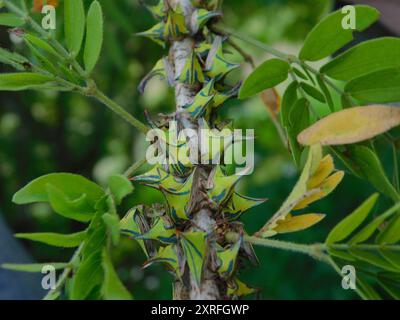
x: 55, y: 239
x: 112, y: 288
x: 374, y: 258
x: 96, y: 232
x: 368, y: 291
x: 369, y: 229
x: 288, y: 100
x: 90, y: 274
x: 79, y: 209
x: 44, y: 62
x: 390, y: 282
x: 33, y: 267
x: 367, y: 57
x: 40, y: 43
x: 390, y: 234
x: 94, y: 36
x: 344, y: 228
x: 11, y: 20
x: 238, y: 204
x: 194, y: 247
x: 328, y: 36
x: 312, y: 92
x: 227, y: 259
x: 327, y: 93
x: 382, y: 86
x: 111, y: 221
x: 217, y: 66
x: 391, y: 256
x: 344, y: 255
x: 74, y: 22
x: 192, y: 72
x: 372, y: 170
x: 13, y: 59
x: 72, y: 185
x: 23, y: 81
x: 299, y: 119
x: 267, y: 75
x: 120, y: 187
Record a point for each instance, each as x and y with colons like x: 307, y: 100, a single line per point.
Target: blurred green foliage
x: 63, y: 132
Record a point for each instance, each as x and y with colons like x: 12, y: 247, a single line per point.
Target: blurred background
x: 63, y: 132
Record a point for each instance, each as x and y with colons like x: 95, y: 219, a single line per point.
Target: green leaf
x: 96, y: 234
x: 94, y: 36
x: 13, y: 59
x: 299, y: 119
x: 288, y: 100
x: 344, y: 255
x: 374, y: 258
x: 367, y: 57
x: 43, y: 60
x: 267, y: 75
x: 328, y: 36
x: 300, y: 74
x: 313, y: 92
x: 89, y: 275
x: 55, y: 239
x: 368, y: 291
x: 33, y: 267
x: 112, y: 288
x: 120, y: 187
x: 40, y: 43
x: 382, y: 86
x: 72, y: 185
x: 367, y: 231
x: 194, y: 248
x: 372, y: 170
x: 112, y: 223
x: 23, y: 81
x: 74, y: 22
x: 327, y: 93
x: 391, y: 233
x: 78, y: 209
x: 11, y: 20
x: 391, y: 255
x: 390, y: 282
x: 344, y: 228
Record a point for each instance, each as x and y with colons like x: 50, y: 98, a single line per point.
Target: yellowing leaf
x: 314, y: 196
x: 298, y: 223
x: 315, y: 183
x: 351, y: 125
x: 332, y: 182
x: 324, y: 169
